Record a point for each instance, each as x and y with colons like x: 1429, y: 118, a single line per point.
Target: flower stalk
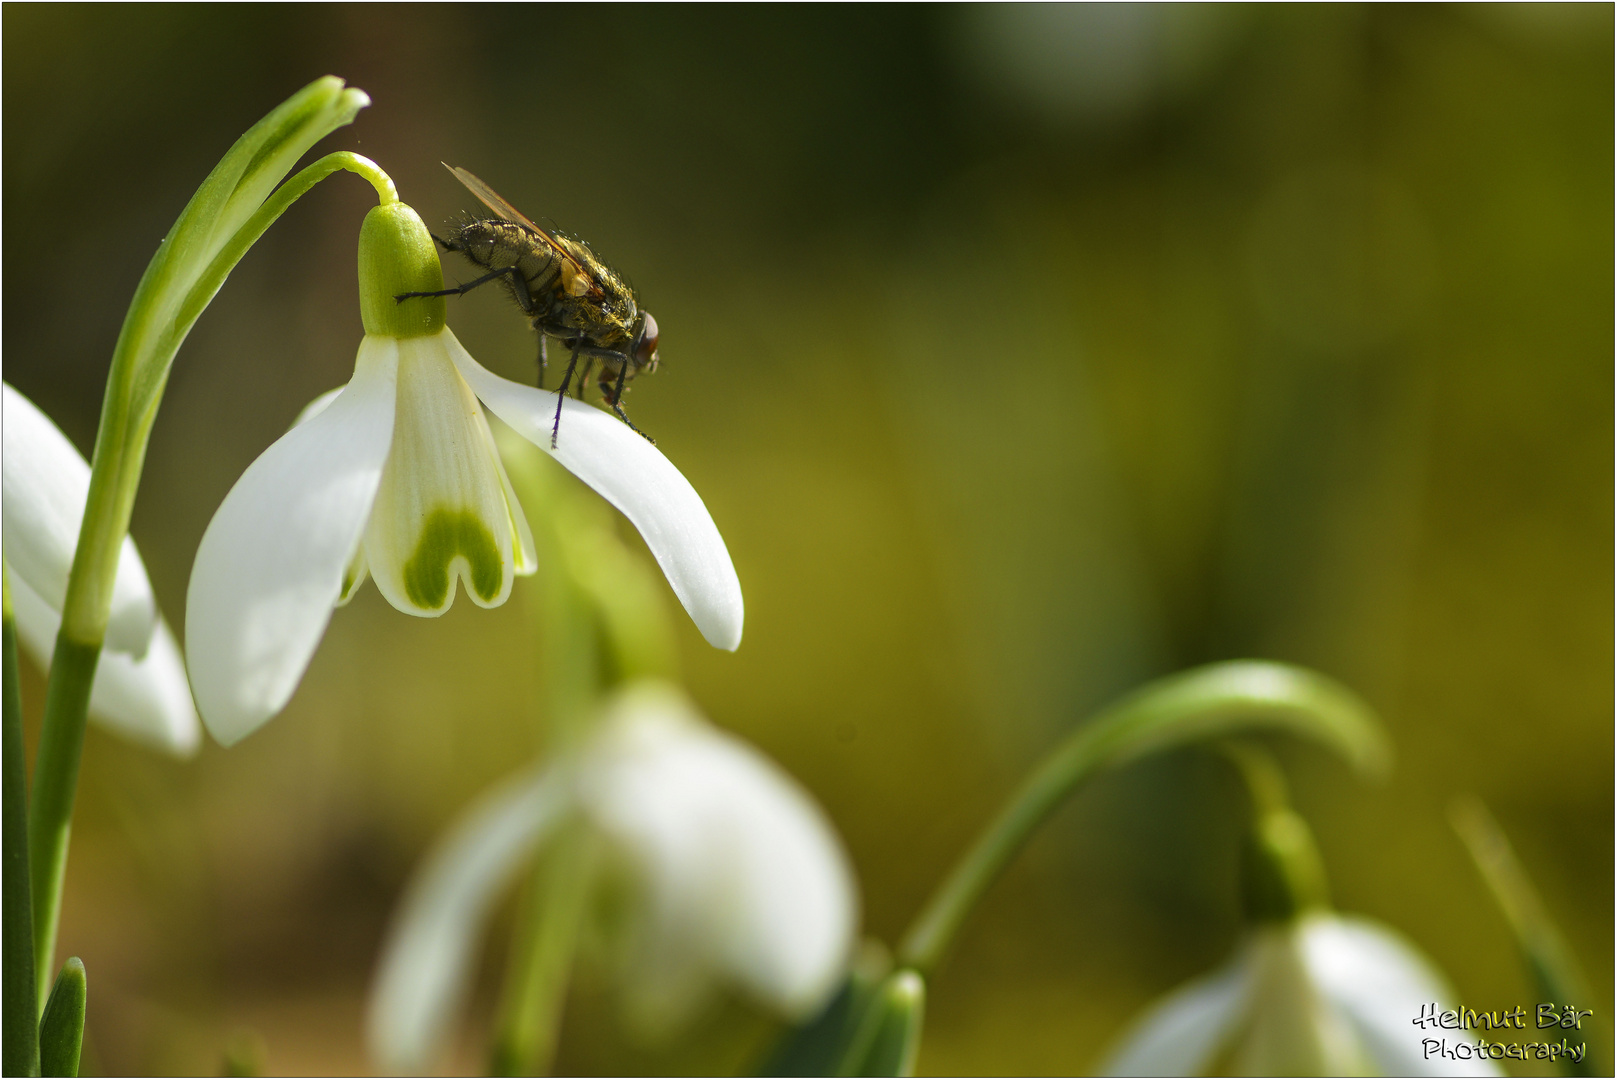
x: 1282, y: 874
x: 1192, y: 706
x: 231, y: 209
x: 542, y: 954
x: 602, y: 625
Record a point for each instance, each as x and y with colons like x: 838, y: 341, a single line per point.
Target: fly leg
x: 614, y: 398
x: 519, y: 288
x: 561, y: 395
x: 544, y: 360
x: 584, y: 376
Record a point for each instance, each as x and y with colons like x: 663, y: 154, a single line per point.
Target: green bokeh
x: 1021, y: 354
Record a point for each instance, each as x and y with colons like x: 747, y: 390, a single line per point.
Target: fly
x: 566, y: 291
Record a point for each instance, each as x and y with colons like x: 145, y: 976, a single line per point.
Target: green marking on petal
x: 448, y: 534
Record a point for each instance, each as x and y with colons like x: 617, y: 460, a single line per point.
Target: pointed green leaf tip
x: 891, y: 1037
x: 397, y: 256
x: 824, y: 1044
x: 61, y: 1028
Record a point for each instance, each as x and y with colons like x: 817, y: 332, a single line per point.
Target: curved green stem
x: 232, y: 208
x: 1261, y: 775
x: 213, y: 278
x: 1203, y: 703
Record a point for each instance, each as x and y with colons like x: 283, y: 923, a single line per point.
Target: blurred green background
x: 1021, y: 354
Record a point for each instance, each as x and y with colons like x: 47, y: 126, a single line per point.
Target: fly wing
x: 491, y: 199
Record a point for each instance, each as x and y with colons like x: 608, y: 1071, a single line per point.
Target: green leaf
x: 1557, y: 976
x: 61, y: 1029
x: 1202, y: 704
x: 818, y: 1046
x: 890, y: 1033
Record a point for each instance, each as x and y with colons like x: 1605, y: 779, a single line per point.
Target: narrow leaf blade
x: 61, y: 1029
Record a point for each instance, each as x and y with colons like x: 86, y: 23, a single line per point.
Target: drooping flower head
x: 396, y: 477
x: 1309, y: 992
x: 734, y: 877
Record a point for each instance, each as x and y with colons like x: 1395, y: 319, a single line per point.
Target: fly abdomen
x: 495, y: 245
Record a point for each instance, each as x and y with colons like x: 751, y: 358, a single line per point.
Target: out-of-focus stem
x: 542, y: 956
x: 1554, y: 969
x: 19, y: 1053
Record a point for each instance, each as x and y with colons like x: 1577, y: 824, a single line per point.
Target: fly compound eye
x: 645, y: 349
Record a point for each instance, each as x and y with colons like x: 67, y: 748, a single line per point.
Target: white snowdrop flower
x: 397, y: 477
x: 735, y: 877
x: 140, y: 688
x: 1313, y: 993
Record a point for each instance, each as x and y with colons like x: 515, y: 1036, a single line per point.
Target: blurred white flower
x: 736, y: 877
x: 396, y: 475
x: 140, y: 689
x: 1318, y: 995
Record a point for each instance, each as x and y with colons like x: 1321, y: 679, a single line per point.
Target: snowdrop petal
x: 146, y: 700
x: 428, y: 957
x: 1184, y: 1033
x: 1293, y: 1030
x: 745, y: 876
x: 46, y: 484
x: 317, y: 406
x: 635, y: 477
x: 1379, y: 981
x: 445, y: 510
x: 272, y: 561
x: 357, y: 572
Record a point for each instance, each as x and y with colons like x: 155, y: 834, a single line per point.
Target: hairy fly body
x: 567, y: 293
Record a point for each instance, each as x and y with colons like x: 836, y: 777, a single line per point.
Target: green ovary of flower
x: 448, y: 535
x: 397, y: 256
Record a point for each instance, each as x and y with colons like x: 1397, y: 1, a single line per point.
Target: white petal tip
x: 272, y: 562
x: 724, y: 635
x: 634, y: 476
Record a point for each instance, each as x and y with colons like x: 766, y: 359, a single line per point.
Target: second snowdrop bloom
x: 396, y: 477
x: 140, y: 689
x: 1322, y: 995
x: 1308, y: 993
x: 734, y: 877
